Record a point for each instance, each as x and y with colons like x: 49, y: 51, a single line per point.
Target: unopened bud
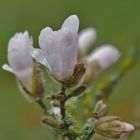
x: 112, y: 127
x: 92, y: 71
x: 78, y: 91
x: 49, y: 120
x: 100, y: 109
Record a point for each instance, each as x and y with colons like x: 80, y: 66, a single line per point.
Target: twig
x: 62, y: 100
x: 42, y: 105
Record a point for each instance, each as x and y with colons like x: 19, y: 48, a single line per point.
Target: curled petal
x: 38, y: 55
x: 7, y: 68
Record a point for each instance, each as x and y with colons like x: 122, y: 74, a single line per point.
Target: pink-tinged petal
x: 128, y: 127
x: 45, y: 38
x: 105, y: 56
x: 19, y: 58
x: 86, y: 39
x: 68, y: 43
x: 60, y: 48
x: 71, y: 23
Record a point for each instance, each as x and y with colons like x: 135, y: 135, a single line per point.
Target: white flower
x: 59, y: 48
x: 104, y: 56
x: 86, y: 39
x: 21, y: 63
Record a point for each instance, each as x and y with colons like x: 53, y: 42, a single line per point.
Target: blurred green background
x: 117, y: 22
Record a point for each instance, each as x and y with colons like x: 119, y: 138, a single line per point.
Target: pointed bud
x: 112, y: 127
x: 49, y: 120
x: 100, y: 109
x: 92, y: 71
x: 78, y: 91
x: 86, y: 39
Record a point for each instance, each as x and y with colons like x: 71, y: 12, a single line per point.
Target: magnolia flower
x: 21, y: 64
x: 99, y: 60
x: 58, y: 49
x: 86, y: 39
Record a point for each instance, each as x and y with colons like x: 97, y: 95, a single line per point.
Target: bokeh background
x: 116, y: 21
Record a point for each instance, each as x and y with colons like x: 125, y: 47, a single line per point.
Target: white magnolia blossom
x: 86, y: 39
x: 104, y: 56
x: 20, y: 61
x: 58, y: 49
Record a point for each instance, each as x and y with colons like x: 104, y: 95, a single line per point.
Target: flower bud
x: 86, y: 39
x: 100, y: 59
x: 92, y: 71
x: 59, y: 49
x: 100, y: 109
x: 49, y: 120
x: 78, y: 91
x: 56, y: 110
x: 21, y: 64
x: 112, y: 127
x: 105, y: 56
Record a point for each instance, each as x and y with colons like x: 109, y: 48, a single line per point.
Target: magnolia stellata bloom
x: 58, y: 49
x: 112, y: 127
x: 86, y: 39
x: 100, y: 59
x: 21, y: 64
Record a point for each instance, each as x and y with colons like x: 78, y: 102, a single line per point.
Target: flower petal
x: 18, y: 53
x: 38, y: 55
x: 86, y: 39
x: 7, y: 68
x: 68, y: 43
x: 60, y: 48
x: 71, y: 23
x: 105, y: 56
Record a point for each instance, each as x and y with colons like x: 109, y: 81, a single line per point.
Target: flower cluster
x: 64, y: 54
